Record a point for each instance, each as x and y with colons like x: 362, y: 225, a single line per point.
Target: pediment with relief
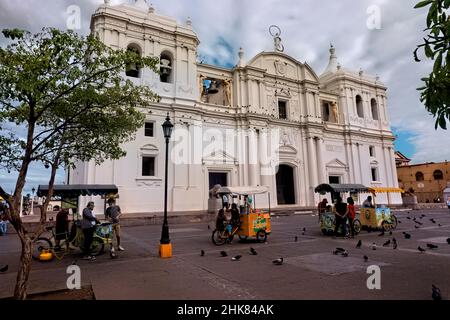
x: 336, y: 164
x: 219, y: 156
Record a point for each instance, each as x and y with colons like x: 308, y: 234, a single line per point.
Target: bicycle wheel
x: 219, y: 237
x: 261, y: 236
x: 39, y: 245
x: 97, y: 247
x: 357, y: 226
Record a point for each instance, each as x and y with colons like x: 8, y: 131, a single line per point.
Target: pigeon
x: 345, y: 254
x: 399, y: 221
x: 236, y: 258
x: 278, y: 261
x: 390, y: 233
x: 394, y: 245
x: 394, y: 242
x: 366, y: 258
x: 417, y: 227
x: 202, y: 253
x: 407, y: 235
x: 387, y: 243
x: 448, y: 240
x: 359, y: 244
x: 421, y: 223
x: 253, y: 251
x: 223, y: 253
x: 208, y: 227
x: 304, y: 229
x: 435, y: 293
x: 381, y: 234
x: 340, y: 249
x: 432, y: 246
x: 409, y: 218
x: 4, y: 268
x: 432, y: 220
x: 420, y: 249
x: 439, y: 225
x: 296, y: 239
x: 374, y: 246
x: 422, y: 215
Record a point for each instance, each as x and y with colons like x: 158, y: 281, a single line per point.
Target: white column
x: 264, y: 159
x: 356, y: 164
x: 320, y: 168
x: 348, y: 156
x: 393, y: 167
x: 387, y: 167
x: 312, y: 167
x: 253, y: 157
x: 305, y: 166
x: 359, y: 162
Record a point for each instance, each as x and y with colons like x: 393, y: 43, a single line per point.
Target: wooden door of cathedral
x: 217, y: 178
x: 285, y: 185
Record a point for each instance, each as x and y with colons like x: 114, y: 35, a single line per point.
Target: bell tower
x: 139, y: 28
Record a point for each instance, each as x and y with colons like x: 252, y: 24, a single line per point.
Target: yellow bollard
x: 165, y: 250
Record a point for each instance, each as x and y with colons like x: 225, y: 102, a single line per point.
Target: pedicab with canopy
x: 254, y: 222
x: 379, y: 216
x: 44, y: 248
x: 327, y: 218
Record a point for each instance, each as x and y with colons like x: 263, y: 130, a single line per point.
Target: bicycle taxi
x: 327, y: 218
x: 254, y: 222
x: 380, y: 216
x: 45, y: 248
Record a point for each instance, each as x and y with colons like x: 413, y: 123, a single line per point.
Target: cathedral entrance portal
x: 285, y: 185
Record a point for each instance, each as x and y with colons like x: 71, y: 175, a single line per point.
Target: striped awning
x: 385, y: 189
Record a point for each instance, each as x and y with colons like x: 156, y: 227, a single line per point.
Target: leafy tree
x: 435, y: 94
x: 70, y: 95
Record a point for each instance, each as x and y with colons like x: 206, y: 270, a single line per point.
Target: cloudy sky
x: 308, y: 27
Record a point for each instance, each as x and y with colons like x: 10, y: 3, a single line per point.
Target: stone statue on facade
x: 275, y: 32
x: 334, y: 109
x: 227, y: 85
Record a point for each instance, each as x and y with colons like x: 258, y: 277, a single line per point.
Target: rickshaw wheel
x: 357, y: 226
x: 243, y: 238
x: 97, y: 247
x: 394, y: 222
x: 261, y: 236
x: 217, y: 238
x: 386, y: 226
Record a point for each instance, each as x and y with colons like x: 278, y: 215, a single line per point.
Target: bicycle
x: 74, y: 239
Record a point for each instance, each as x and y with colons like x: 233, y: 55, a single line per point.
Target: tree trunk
x: 20, y: 291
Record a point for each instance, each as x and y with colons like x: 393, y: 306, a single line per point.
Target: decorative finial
x: 107, y: 2
x: 275, y: 32
x: 377, y: 78
x: 241, y: 57
x: 339, y: 66
x: 151, y: 9
x: 361, y: 72
x: 189, y: 22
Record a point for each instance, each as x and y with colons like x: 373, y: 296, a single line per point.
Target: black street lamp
x: 165, y: 249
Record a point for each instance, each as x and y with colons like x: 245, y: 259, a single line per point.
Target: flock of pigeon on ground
x: 436, y: 294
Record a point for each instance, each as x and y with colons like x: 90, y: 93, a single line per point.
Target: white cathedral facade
x: 269, y: 121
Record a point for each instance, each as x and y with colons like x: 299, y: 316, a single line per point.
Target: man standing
x: 88, y: 225
x: 341, y: 216
x: 113, y: 214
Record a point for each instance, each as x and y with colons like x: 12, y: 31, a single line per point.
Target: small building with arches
x: 427, y: 181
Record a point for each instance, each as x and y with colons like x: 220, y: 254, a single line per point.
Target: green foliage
x: 69, y: 94
x: 435, y: 94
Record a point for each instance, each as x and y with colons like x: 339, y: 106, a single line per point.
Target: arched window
x: 166, y: 67
x: 359, y: 106
x: 374, y: 109
x: 438, y: 175
x: 132, y: 69
x: 419, y: 176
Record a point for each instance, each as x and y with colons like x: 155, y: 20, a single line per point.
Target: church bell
x: 213, y: 87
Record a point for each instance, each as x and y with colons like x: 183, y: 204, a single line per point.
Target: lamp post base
x: 165, y: 250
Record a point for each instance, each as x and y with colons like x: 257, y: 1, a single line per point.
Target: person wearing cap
x: 88, y: 226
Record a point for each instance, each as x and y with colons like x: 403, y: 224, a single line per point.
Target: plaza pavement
x: 310, y: 270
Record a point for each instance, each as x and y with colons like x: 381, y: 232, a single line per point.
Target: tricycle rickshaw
x: 44, y: 246
x: 327, y: 218
x: 253, y: 222
x: 379, y: 217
